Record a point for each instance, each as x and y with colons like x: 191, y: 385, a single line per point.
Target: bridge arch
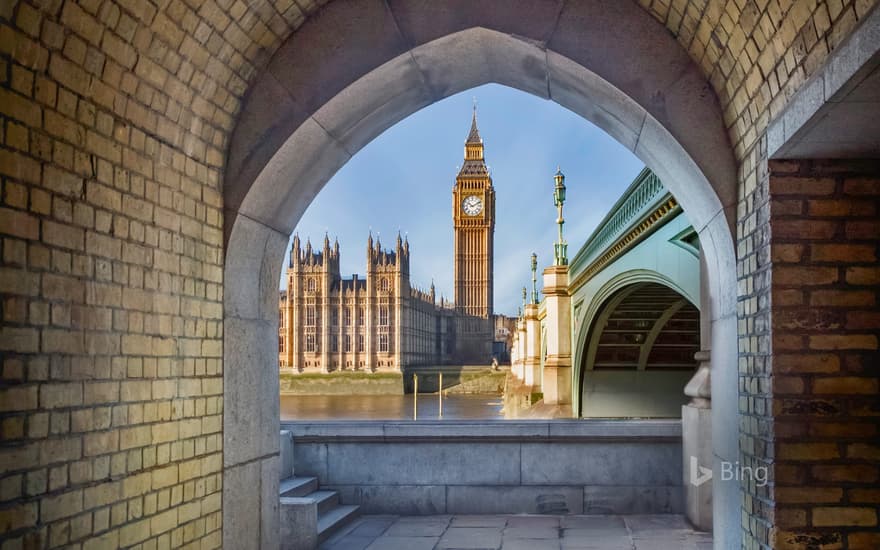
x: 621, y: 348
x: 358, y: 67
x: 586, y: 314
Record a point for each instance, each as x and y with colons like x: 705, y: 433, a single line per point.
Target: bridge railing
x: 642, y: 196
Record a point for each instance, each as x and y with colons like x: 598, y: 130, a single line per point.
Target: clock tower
x: 473, y: 215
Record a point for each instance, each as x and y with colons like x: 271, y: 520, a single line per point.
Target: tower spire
x: 474, y: 134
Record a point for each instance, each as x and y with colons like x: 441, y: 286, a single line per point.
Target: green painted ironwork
x: 645, y: 193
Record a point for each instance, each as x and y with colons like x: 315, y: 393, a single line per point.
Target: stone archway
x: 357, y: 68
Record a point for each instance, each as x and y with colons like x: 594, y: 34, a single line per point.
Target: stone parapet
x: 496, y: 467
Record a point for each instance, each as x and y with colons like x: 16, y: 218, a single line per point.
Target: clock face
x: 472, y: 205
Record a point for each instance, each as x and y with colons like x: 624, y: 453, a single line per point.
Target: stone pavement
x: 519, y: 532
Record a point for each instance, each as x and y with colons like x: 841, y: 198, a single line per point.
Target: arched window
x: 383, y: 285
x: 310, y: 285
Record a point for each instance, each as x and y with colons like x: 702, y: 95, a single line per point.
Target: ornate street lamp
x: 534, y: 278
x: 561, y: 247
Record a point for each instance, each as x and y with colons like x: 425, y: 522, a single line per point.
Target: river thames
x: 390, y: 407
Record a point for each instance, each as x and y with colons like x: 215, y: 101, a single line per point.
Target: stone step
x: 326, y: 500
x: 298, y: 486
x: 334, y: 519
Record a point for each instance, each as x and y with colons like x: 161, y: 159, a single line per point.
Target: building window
x: 311, y: 343
x: 383, y: 343
x: 281, y: 344
x: 334, y: 343
x: 361, y: 316
x: 383, y: 285
x: 346, y: 344
x: 360, y: 342
x: 311, y: 316
x: 281, y: 319
x: 334, y: 317
x: 346, y: 316
x: 310, y: 285
x: 383, y: 316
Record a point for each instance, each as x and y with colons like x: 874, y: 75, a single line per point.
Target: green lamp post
x: 534, y: 278
x: 561, y: 247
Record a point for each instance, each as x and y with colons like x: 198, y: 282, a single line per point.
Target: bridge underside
x: 640, y: 353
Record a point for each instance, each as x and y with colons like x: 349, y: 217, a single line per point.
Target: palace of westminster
x: 382, y: 322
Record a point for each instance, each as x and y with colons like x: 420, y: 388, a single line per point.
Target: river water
x: 390, y: 407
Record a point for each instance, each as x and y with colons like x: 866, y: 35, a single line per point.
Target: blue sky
x: 403, y: 181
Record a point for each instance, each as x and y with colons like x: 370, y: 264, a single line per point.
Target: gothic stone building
x: 381, y: 322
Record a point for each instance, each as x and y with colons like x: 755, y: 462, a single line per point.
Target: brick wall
x: 754, y: 345
x: 825, y: 240
x: 114, y: 117
x: 757, y: 53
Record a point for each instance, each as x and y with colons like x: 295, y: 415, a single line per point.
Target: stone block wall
x: 824, y: 245
x: 466, y: 467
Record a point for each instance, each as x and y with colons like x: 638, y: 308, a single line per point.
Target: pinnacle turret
x: 474, y: 134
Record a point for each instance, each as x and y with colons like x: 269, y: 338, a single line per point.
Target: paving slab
x: 479, y: 521
x: 372, y: 527
x: 531, y: 533
x: 660, y: 522
x: 470, y: 538
x: 576, y: 534
x: 348, y: 542
x: 533, y: 521
x: 403, y: 543
x: 592, y: 522
x: 519, y: 532
x: 424, y: 519
x: 530, y: 544
x: 416, y: 529
x: 597, y: 543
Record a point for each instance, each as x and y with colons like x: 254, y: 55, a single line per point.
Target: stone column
x: 324, y: 324
x: 557, y: 365
x: 532, y: 360
x: 400, y: 317
x: 513, y: 344
x: 696, y: 445
x: 369, y: 303
x: 696, y: 423
x: 296, y: 334
x: 521, y: 347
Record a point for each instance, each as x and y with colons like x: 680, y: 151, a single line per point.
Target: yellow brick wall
x: 757, y: 53
x: 114, y: 120
x: 114, y: 117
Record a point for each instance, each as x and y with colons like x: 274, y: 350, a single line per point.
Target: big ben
x: 473, y: 213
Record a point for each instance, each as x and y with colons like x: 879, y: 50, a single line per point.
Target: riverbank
x: 390, y: 407
x: 342, y: 383
x: 456, y: 380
